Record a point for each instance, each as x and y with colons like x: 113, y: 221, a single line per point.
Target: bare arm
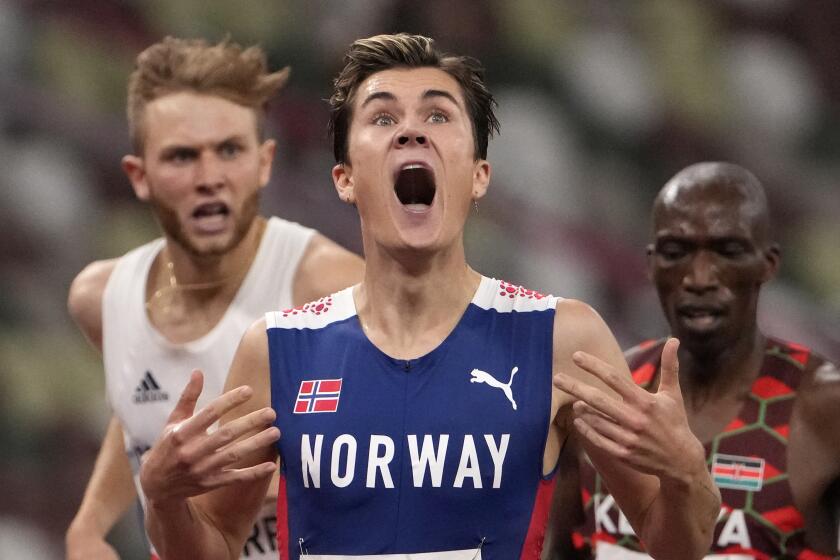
x: 84, y: 300
x: 814, y: 457
x: 325, y: 268
x: 203, y: 489
x: 110, y: 490
x: 640, y: 442
x: 109, y: 493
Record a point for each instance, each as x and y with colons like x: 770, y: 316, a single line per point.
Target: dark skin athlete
x: 711, y: 254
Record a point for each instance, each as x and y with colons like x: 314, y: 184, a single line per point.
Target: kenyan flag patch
x: 738, y: 473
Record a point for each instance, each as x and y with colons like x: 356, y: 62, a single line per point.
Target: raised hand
x: 647, y: 431
x: 189, y: 459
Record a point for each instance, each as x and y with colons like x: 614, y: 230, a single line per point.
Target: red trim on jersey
x: 736, y: 423
x: 766, y: 387
x: 539, y: 518
x: 783, y: 430
x: 282, y: 518
x: 644, y: 373
x: 787, y: 519
x: 737, y: 549
x: 811, y: 555
x: 799, y: 352
x: 604, y: 536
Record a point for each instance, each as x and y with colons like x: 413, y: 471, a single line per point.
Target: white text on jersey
x: 424, y: 457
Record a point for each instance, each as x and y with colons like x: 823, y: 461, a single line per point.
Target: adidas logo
x: 149, y: 391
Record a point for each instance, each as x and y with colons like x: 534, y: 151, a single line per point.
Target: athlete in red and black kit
x: 767, y: 411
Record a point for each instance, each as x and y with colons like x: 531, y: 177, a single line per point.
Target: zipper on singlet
x: 407, y: 366
x: 480, y: 546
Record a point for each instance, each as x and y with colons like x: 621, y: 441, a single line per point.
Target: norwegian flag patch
x: 318, y: 395
x: 738, y: 473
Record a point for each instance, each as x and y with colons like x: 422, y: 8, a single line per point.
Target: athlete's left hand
x: 647, y: 431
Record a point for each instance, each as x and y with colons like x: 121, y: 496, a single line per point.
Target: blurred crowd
x: 600, y: 101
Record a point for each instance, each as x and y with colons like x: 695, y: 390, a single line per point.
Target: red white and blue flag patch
x: 318, y: 395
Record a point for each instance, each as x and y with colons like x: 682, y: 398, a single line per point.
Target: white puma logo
x: 479, y: 376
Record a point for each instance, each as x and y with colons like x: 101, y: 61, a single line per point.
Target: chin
x: 707, y: 343
x: 215, y: 247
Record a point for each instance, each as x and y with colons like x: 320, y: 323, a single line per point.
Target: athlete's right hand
x: 88, y: 547
x: 189, y: 459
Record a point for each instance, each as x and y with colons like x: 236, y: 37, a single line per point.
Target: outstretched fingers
x: 592, y: 396
x: 615, y: 380
x: 235, y: 476
x: 605, y: 426
x: 599, y: 440
x: 226, y: 447
x: 210, y: 414
x: 185, y: 407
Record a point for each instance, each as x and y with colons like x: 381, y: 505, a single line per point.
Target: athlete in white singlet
x: 183, y: 301
x: 144, y: 371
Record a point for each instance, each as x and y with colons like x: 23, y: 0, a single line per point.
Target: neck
x: 183, y: 279
x: 729, y: 371
x: 407, y: 306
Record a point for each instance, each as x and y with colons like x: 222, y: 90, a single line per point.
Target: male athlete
x: 195, y: 114
x: 415, y: 411
x: 765, y: 409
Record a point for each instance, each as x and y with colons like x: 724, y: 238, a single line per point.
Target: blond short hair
x: 226, y: 70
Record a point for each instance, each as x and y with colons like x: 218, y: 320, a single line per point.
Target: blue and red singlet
x: 435, y: 457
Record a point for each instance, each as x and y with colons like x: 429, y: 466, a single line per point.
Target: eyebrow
x: 428, y: 94
x: 432, y: 93
x: 235, y: 138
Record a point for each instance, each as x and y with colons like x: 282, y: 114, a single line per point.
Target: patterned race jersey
x: 438, y: 457
x: 748, y: 462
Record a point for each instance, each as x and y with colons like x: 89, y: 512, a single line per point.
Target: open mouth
x: 211, y: 209
x: 211, y: 218
x: 700, y: 316
x: 414, y: 186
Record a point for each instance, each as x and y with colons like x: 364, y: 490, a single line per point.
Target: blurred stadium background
x: 601, y: 101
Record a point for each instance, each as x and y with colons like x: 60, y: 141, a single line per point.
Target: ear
x: 772, y: 261
x: 342, y: 175
x: 266, y: 154
x: 481, y: 178
x: 134, y: 168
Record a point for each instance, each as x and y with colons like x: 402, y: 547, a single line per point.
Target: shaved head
x: 710, y: 254
x: 726, y: 183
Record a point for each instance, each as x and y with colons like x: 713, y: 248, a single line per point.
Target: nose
x: 410, y: 137
x: 209, y: 173
x: 702, y: 273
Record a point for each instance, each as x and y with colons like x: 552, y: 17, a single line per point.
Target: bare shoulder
x: 250, y: 363
x: 325, y: 268
x: 578, y: 327
x: 84, y: 299
x: 819, y: 394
